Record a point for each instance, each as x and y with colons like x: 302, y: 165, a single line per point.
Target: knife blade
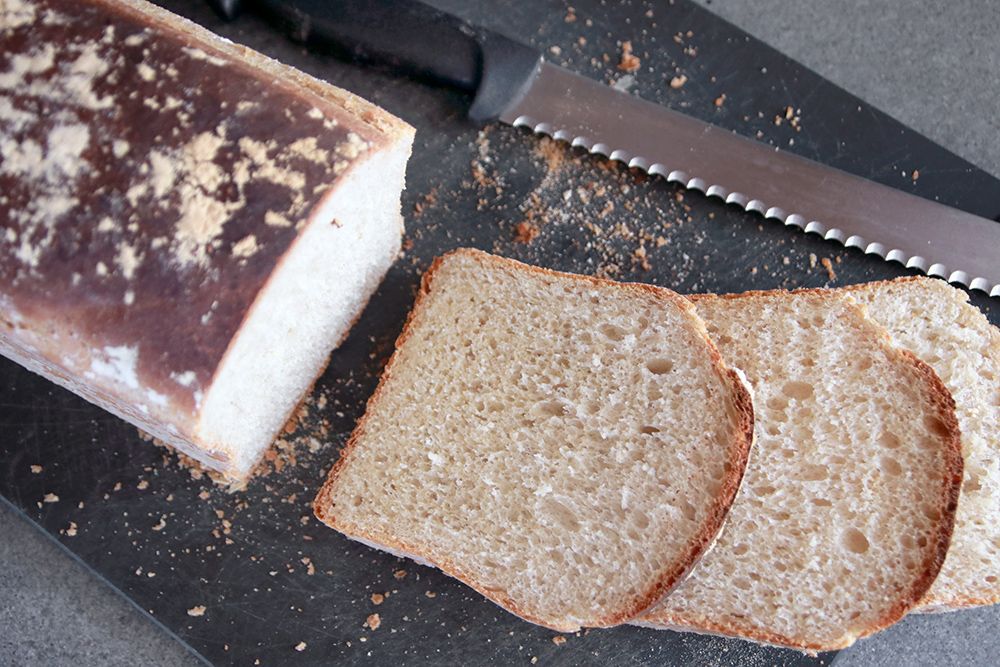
x: 513, y: 83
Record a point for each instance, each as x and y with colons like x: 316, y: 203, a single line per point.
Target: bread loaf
x: 847, y: 507
x: 188, y: 227
x: 938, y: 324
x: 565, y: 445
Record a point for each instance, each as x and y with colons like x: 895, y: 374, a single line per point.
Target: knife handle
x: 415, y: 39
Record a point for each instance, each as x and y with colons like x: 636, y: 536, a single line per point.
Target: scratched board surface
x: 248, y: 576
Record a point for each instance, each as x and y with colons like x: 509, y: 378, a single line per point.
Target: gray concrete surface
x: 932, y: 65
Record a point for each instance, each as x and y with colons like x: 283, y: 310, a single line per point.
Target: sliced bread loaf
x: 567, y: 446
x: 936, y: 322
x: 189, y: 227
x: 845, y: 513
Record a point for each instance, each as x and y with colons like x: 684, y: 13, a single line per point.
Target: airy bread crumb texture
x: 847, y: 505
x: 937, y: 323
x: 567, y: 446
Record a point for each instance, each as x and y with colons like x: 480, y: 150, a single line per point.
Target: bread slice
x: 187, y: 228
x: 935, y: 321
x: 845, y: 513
x: 565, y: 445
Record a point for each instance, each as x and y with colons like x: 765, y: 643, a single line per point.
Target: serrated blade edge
x: 815, y: 198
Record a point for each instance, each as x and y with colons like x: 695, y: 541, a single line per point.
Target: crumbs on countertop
x: 629, y: 61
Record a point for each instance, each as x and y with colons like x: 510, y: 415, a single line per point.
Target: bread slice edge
x: 705, y: 537
x: 943, y: 400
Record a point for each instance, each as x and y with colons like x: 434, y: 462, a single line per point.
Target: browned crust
x: 936, y: 603
x: 383, y: 124
x: 672, y: 575
x: 953, y: 463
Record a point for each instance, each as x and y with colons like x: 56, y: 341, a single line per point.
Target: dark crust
x: 95, y: 313
x: 935, y: 603
x: 672, y: 575
x: 942, y: 402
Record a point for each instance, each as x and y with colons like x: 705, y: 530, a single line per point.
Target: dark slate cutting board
x: 269, y: 577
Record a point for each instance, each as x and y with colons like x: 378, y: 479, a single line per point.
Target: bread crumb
x: 628, y: 62
x: 812, y: 260
x: 399, y: 574
x: 431, y: 594
x: 558, y: 640
x: 301, y: 646
x: 143, y: 485
x: 525, y: 232
x: 197, y: 611
x: 570, y: 15
x: 373, y: 622
x: 71, y: 531
x: 828, y: 265
x: 50, y: 498
x: 36, y: 469
x: 678, y: 81
x: 915, y: 175
x: 720, y: 100
x: 377, y: 598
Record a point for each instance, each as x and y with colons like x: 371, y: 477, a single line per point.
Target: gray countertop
x: 935, y: 66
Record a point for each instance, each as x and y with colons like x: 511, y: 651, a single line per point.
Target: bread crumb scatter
x: 525, y: 232
x: 629, y: 62
x: 828, y: 265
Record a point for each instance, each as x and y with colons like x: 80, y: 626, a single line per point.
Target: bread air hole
x: 548, y: 409
x: 812, y: 472
x: 659, y: 366
x: 611, y: 332
x: 931, y: 512
x: 936, y: 427
x: 854, y: 541
x: 889, y: 440
x: 972, y: 483
x: 797, y: 390
x: 890, y: 466
x: 561, y: 514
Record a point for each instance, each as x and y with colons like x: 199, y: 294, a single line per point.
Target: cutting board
x: 250, y: 576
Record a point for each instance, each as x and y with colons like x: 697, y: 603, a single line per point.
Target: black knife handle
x: 416, y: 39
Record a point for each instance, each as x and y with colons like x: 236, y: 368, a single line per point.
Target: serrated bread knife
x: 511, y: 82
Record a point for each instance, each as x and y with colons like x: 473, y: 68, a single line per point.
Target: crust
x: 942, y: 400
x: 379, y: 120
x: 672, y: 575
